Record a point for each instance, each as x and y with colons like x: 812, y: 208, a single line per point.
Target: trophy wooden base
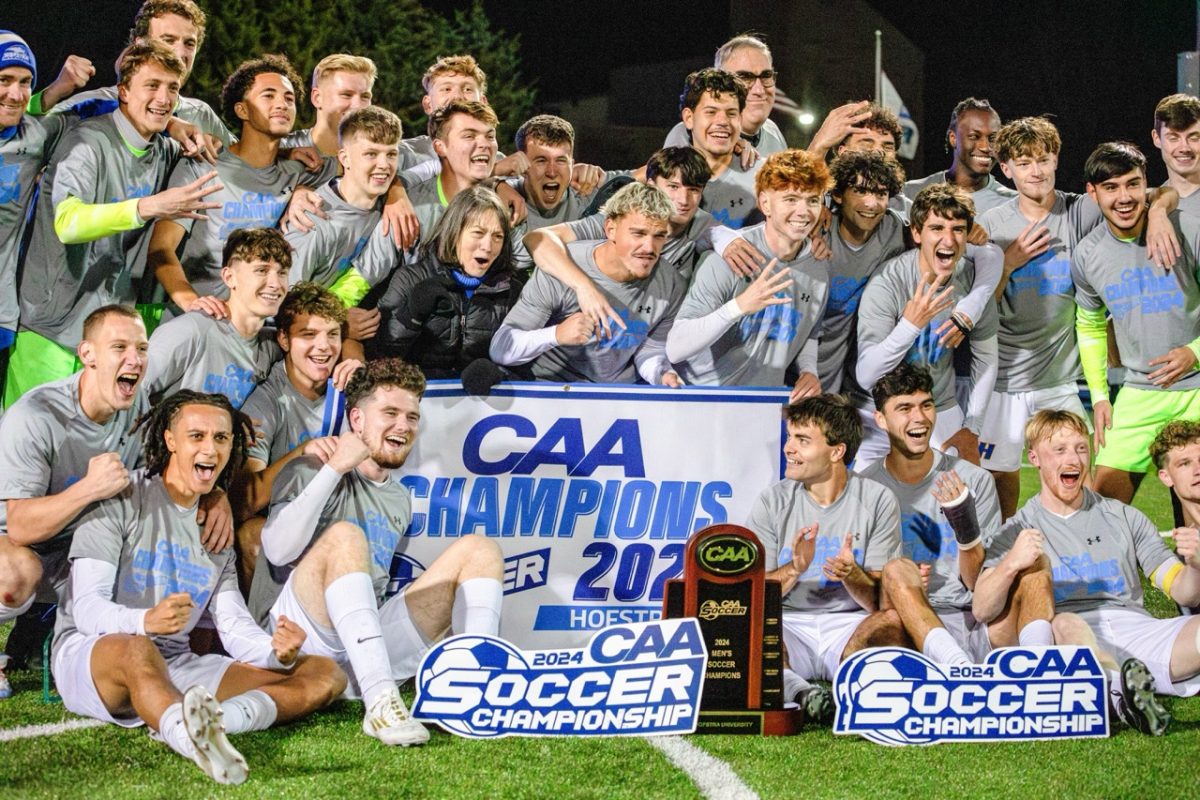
x: 751, y: 722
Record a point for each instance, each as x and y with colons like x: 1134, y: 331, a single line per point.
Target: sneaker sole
x: 1149, y: 715
x: 214, y: 754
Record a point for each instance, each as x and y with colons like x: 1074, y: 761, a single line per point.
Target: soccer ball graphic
x: 469, y: 654
x: 882, y: 664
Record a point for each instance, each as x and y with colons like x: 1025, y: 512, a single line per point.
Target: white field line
x: 715, y: 779
x: 50, y: 729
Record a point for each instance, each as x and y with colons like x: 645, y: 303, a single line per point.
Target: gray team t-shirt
x: 768, y: 140
x: 155, y: 546
x: 24, y: 150
x: 1153, y: 311
x: 992, y: 194
x: 382, y: 510
x: 1094, y: 554
x: 927, y: 537
x: 251, y: 198
x: 730, y: 196
x: 849, y: 270
x: 46, y: 442
x: 197, y: 352
x: 882, y: 307
x: 648, y: 307
x: 757, y: 349
x: 104, y: 101
x: 864, y: 508
x: 681, y: 252
x: 284, y: 418
x: 1036, y: 336
x: 337, y: 242
x: 63, y: 283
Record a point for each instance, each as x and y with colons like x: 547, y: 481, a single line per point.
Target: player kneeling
x: 327, y: 548
x: 140, y: 580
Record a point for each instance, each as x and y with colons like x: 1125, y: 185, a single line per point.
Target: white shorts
x: 970, y: 633
x: 876, y: 445
x: 815, y: 642
x: 1135, y: 634
x: 1002, y: 439
x: 72, y: 667
x: 405, y: 644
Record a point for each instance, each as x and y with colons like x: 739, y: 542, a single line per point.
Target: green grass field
x: 328, y: 756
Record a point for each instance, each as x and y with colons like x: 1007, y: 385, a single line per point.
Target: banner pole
x: 879, y: 67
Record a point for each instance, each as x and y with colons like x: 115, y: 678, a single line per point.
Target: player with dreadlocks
x: 140, y: 580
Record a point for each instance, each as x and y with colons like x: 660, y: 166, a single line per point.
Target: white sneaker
x: 388, y: 721
x: 214, y: 754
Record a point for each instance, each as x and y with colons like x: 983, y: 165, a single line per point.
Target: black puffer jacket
x: 450, y: 338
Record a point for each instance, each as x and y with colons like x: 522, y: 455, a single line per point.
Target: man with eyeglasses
x: 749, y: 59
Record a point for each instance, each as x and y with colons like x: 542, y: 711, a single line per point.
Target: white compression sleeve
x: 511, y: 347
x: 94, y: 611
x: 689, y: 336
x: 288, y: 532
x: 240, y: 634
x: 878, y: 359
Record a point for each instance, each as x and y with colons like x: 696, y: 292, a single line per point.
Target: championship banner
x: 895, y: 696
x: 590, y: 490
x: 630, y: 680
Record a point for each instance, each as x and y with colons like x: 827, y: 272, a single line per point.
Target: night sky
x: 1098, y: 68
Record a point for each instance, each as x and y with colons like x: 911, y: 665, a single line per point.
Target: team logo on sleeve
x: 894, y: 696
x: 640, y: 679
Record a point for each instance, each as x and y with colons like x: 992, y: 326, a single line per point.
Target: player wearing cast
x: 971, y: 139
x: 26, y: 144
x: 178, y: 24
x: 253, y: 190
x: 1038, y: 357
x: 234, y: 354
x: 341, y: 84
x: 1177, y: 135
x: 826, y: 534
x: 749, y: 59
x: 328, y: 546
x: 547, y: 327
x: 711, y: 106
x: 905, y: 315
x: 930, y: 585
x: 140, y: 581
x: 89, y: 240
x: 733, y: 331
x: 441, y: 313
x: 1155, y: 316
x: 1098, y: 549
x: 298, y: 410
x: 346, y: 250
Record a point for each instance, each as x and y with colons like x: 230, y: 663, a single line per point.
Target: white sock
x: 941, y: 648
x: 252, y: 711
x: 12, y: 612
x: 350, y: 601
x: 477, y: 606
x: 1036, y: 634
x: 173, y: 732
x: 793, y: 685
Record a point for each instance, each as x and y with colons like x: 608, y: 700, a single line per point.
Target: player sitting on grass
x: 140, y: 581
x: 298, y: 410
x: 826, y: 534
x: 934, y: 599
x: 230, y: 355
x: 1098, y: 549
x: 328, y: 545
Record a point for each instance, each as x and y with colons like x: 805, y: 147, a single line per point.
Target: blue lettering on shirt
x: 926, y: 539
x: 779, y: 323
x: 254, y: 210
x: 844, y: 295
x: 1080, y: 575
x: 236, y: 383
x: 1048, y: 274
x: 10, y: 186
x: 636, y: 331
x: 1144, y: 289
x: 169, y: 569
x: 382, y: 536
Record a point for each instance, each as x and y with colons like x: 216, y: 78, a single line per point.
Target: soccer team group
x: 218, y: 340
